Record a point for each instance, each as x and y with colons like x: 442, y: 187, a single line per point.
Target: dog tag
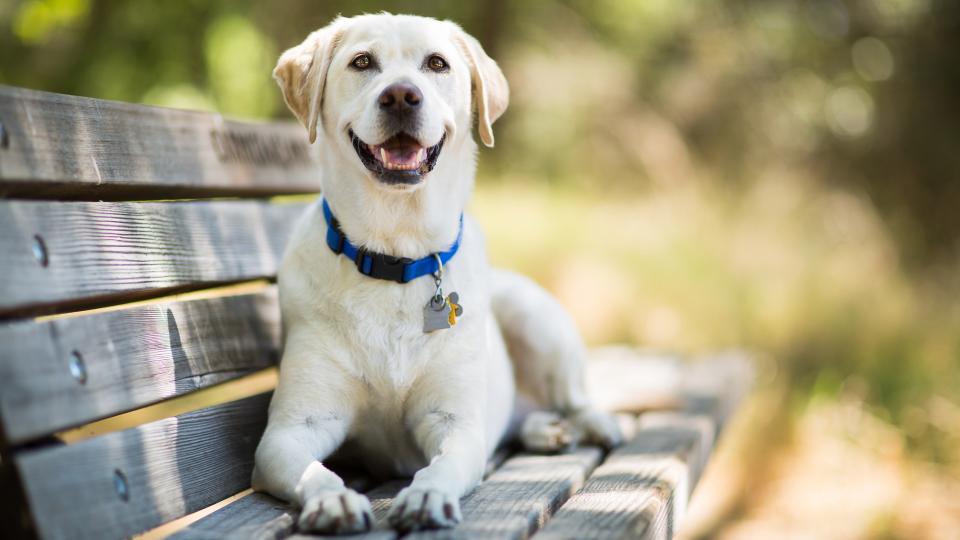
x: 441, y: 312
x: 456, y: 309
x: 436, y: 314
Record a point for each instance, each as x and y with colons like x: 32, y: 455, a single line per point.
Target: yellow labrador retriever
x: 401, y: 343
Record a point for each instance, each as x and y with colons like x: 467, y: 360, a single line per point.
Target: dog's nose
x: 400, y: 96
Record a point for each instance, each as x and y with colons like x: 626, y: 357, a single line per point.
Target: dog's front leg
x: 310, y: 417
x: 447, y: 424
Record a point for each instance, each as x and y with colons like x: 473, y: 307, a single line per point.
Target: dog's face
x: 392, y: 90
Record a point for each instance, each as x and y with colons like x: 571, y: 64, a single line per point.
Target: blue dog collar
x: 380, y: 266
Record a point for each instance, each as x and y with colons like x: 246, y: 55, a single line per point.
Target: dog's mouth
x: 401, y: 159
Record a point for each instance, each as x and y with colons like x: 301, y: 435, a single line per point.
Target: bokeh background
x: 780, y: 176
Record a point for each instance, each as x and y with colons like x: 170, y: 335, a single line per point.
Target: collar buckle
x: 381, y: 266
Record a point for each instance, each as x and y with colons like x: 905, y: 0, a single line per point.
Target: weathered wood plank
x: 262, y: 516
x: 641, y: 490
x: 65, y: 372
x: 519, y: 497
x: 60, y: 146
x: 256, y: 516
x: 485, y: 516
x: 515, y: 500
x: 373, y: 535
x: 716, y: 385
x: 665, y: 460
x: 60, y: 256
x: 130, y: 481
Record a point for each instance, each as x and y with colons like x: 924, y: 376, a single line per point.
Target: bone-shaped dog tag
x: 456, y: 309
x: 436, y: 315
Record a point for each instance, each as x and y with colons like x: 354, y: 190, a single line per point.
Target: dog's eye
x: 362, y: 62
x: 437, y: 63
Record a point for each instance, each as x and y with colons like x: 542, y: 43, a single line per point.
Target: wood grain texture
x: 642, y: 489
x: 73, y: 147
x: 515, y: 500
x: 66, y: 372
x: 519, y: 497
x: 100, y: 253
x: 262, y: 516
x: 374, y: 535
x: 512, y: 502
x: 651, y: 477
x: 171, y: 467
x: 257, y: 516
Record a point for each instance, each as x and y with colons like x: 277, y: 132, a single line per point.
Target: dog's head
x: 392, y: 90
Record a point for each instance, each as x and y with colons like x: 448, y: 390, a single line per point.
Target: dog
x: 402, y: 347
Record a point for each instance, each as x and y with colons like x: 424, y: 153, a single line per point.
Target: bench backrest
x: 110, y: 307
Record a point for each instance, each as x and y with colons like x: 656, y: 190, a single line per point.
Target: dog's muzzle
x: 401, y: 158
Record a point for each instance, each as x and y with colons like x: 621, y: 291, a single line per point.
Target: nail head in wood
x: 120, y: 485
x: 78, y: 368
x: 40, y: 251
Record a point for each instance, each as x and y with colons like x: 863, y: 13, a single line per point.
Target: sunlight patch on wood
x: 176, y: 525
x: 250, y: 385
x: 244, y: 287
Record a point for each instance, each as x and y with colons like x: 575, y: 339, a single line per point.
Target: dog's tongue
x: 400, y: 153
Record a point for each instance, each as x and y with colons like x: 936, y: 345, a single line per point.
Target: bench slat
x: 717, y: 385
x: 260, y: 516
x: 62, y: 146
x: 62, y: 373
x: 167, y: 469
x: 519, y: 497
x: 257, y: 515
x: 60, y: 256
x: 642, y: 489
x: 516, y: 499
x: 667, y: 451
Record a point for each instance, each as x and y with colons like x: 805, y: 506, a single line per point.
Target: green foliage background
x: 781, y: 175
x: 762, y: 68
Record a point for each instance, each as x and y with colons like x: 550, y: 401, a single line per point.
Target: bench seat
x: 638, y: 490
x: 140, y: 336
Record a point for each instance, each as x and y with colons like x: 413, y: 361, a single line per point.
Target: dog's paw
x: 416, y: 508
x: 338, y: 512
x: 546, y: 432
x: 598, y: 428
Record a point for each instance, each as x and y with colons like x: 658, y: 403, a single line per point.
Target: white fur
x: 357, y: 367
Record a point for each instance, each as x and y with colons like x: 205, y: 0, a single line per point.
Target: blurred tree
x: 910, y: 165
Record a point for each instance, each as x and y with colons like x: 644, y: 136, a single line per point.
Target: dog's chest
x: 382, y: 324
x: 390, y: 354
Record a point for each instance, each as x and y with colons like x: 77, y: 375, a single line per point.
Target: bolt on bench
x: 140, y: 333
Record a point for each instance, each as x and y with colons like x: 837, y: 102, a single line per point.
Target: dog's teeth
x: 421, y: 155
x: 383, y: 155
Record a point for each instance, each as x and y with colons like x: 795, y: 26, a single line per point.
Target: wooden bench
x: 139, y: 334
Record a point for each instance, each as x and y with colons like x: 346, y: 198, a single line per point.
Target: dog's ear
x: 491, y: 94
x: 301, y: 73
